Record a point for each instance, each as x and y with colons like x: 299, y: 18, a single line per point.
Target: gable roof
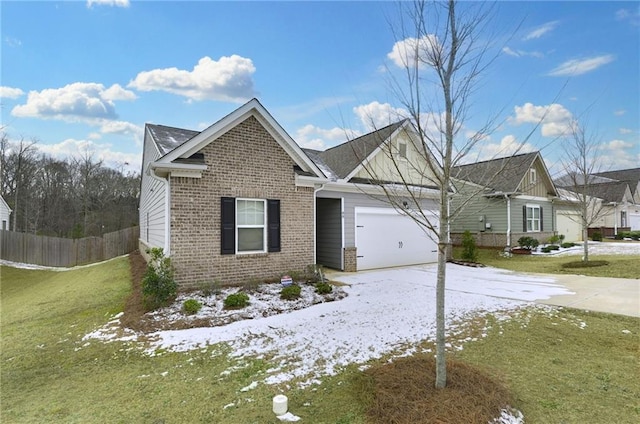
x: 179, y: 147
x: 347, y: 157
x: 630, y: 176
x: 168, y: 138
x: 500, y: 175
x: 4, y: 203
x: 612, y: 192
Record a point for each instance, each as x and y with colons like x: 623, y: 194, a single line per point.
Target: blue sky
x: 86, y: 76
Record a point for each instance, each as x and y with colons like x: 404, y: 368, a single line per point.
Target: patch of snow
x: 604, y: 248
x: 251, y: 386
x: 288, y: 417
x: 509, y: 416
x: 626, y: 332
x: 53, y: 268
x: 387, y: 311
x: 229, y: 405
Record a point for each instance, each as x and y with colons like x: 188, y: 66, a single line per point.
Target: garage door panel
x: 385, y: 238
x: 568, y: 224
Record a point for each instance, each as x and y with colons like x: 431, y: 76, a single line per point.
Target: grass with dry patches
x: 556, y: 368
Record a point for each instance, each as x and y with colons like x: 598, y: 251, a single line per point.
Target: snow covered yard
x: 598, y: 248
x: 385, y: 312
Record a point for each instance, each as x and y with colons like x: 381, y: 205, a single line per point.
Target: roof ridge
x: 365, y: 135
x: 497, y: 159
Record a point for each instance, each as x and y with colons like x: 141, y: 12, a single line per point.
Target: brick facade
x: 244, y: 162
x: 350, y: 259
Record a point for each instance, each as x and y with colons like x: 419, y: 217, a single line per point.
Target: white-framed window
x: 533, y: 218
x: 251, y: 234
x: 533, y: 176
x: 623, y: 218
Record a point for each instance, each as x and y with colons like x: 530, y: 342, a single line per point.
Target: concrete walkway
x: 612, y: 295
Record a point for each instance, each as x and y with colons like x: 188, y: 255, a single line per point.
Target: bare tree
x: 444, y: 51
x: 581, y: 163
x: 18, y: 174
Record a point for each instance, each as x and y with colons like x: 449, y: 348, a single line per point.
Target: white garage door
x: 634, y: 221
x: 385, y: 238
x: 568, y: 224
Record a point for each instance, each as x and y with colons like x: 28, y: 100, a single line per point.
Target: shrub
x: 620, y: 235
x: 315, y: 273
x: 209, y: 289
x: 546, y: 249
x: 323, y: 288
x: 158, y: 285
x: 528, y: 242
x: 291, y: 292
x: 236, y: 300
x: 554, y: 239
x: 567, y: 245
x: 596, y: 236
x: 191, y: 306
x: 469, y: 249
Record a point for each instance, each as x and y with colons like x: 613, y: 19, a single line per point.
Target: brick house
x: 241, y: 200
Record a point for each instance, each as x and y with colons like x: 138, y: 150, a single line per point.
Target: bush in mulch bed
x: 582, y: 264
x: 404, y: 393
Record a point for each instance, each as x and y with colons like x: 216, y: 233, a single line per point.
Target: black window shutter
x: 541, y: 220
x: 228, y: 229
x: 273, y: 220
x: 524, y: 219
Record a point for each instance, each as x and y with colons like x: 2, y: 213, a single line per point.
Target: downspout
x: 315, y: 229
x: 506, y: 196
x: 615, y: 218
x: 167, y: 209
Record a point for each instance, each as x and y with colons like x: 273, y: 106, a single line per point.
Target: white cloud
x: 12, y: 42
x: 619, y: 112
x: 521, y: 53
x: 555, y: 119
x: 117, y: 3
x: 72, y: 148
x: 228, y: 79
x: 77, y: 102
x: 121, y: 127
x: 509, y: 145
x: 616, y: 145
x: 633, y: 17
x: 405, y: 52
x: 376, y: 115
x: 541, y: 30
x: 116, y: 92
x: 575, y: 67
x: 625, y: 131
x: 312, y: 137
x: 10, y: 93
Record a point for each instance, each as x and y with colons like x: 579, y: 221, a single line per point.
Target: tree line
x: 75, y: 197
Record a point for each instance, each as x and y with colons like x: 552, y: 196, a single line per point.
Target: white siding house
x: 5, y: 213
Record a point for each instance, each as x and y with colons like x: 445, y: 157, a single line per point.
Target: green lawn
x: 620, y: 266
x: 558, y: 369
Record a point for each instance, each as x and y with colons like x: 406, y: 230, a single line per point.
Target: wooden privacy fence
x: 56, y: 251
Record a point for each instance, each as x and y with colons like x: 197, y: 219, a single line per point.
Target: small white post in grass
x: 280, y: 404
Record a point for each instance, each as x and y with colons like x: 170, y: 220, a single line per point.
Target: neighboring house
x: 506, y: 198
x: 618, y: 193
x: 5, y: 213
x: 241, y: 200
x: 630, y: 217
x: 568, y: 215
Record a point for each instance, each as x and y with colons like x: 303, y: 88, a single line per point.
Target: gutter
x: 506, y: 196
x: 167, y: 206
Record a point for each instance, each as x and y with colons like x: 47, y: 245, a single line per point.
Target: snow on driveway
x: 387, y: 311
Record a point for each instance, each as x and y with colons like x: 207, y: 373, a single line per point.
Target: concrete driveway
x: 611, y: 295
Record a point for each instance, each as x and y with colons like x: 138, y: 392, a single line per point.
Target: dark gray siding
x: 329, y: 233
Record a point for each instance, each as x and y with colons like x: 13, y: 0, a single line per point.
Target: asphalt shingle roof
x: 501, y: 175
x: 168, y: 138
x: 344, y: 158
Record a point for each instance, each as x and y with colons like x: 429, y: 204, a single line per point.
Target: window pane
x: 250, y: 212
x: 250, y: 239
